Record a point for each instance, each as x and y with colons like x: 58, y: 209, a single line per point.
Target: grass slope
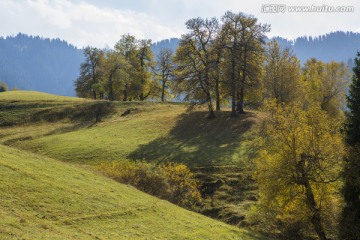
x: 45, y: 199
x: 158, y: 133
x: 27, y: 107
x: 34, y: 96
x: 218, y: 149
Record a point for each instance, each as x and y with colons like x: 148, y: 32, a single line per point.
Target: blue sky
x: 101, y: 23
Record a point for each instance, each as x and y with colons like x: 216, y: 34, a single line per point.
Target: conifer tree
x: 350, y: 224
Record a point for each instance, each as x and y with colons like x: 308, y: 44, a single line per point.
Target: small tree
x: 282, y: 72
x: 3, y: 87
x: 164, y: 70
x: 90, y: 73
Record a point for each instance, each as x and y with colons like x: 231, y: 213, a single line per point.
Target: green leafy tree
x: 115, y: 74
x: 87, y: 84
x: 244, y: 42
x: 194, y: 61
x: 147, y: 87
x: 127, y: 46
x: 217, y: 72
x: 139, y: 58
x: 350, y: 224
x: 164, y: 70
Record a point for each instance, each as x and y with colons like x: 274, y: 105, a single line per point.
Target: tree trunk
x: 310, y: 200
x: 217, y: 91
x: 316, y: 217
x: 242, y: 86
x: 125, y: 95
x: 240, y: 103
x: 111, y: 95
x: 94, y: 94
x: 233, y: 91
x: 142, y: 98
x: 211, y: 114
x: 233, y: 80
x: 163, y: 92
x: 111, y: 90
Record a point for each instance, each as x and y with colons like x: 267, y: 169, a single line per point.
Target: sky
x: 100, y: 23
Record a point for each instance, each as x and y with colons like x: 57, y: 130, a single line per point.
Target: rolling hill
x: 45, y: 198
x: 42, y: 198
x: 220, y: 150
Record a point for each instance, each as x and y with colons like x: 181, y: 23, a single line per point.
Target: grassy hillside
x: 27, y: 107
x: 163, y: 132
x: 219, y: 149
x: 42, y: 199
x: 34, y: 96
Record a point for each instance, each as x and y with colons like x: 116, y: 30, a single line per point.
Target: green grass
x: 34, y: 96
x: 45, y: 199
x: 161, y: 134
x: 218, y: 149
x: 26, y: 107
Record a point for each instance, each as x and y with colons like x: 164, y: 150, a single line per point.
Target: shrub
x: 172, y: 182
x: 184, y: 189
x: 3, y: 87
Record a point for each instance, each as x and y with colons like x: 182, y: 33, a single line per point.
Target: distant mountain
x: 337, y: 46
x: 171, y: 43
x: 51, y: 65
x: 41, y: 64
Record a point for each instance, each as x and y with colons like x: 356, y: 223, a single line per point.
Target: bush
x: 184, y: 189
x: 172, y: 182
x: 3, y: 87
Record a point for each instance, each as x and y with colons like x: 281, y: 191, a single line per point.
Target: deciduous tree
x: 194, y: 61
x: 298, y: 169
x: 164, y: 70
x: 326, y: 84
x: 244, y: 45
x: 282, y: 73
x: 87, y: 83
x: 116, y: 74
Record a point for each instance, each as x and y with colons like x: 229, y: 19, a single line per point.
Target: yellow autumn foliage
x: 298, y: 170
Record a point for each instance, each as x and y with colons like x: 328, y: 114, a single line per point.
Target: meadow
x: 220, y: 149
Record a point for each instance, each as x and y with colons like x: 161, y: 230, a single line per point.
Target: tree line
x: 307, y: 169
x: 127, y: 72
x: 218, y: 62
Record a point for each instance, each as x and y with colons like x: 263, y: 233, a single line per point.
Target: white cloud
x: 99, y: 22
x: 79, y: 23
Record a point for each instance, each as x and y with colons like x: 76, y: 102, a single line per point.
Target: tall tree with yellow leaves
x: 298, y: 170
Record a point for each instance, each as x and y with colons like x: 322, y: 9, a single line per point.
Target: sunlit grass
x: 34, y: 96
x: 222, y: 148
x: 45, y: 199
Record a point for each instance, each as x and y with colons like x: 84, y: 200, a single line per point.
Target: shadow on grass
x: 198, y: 141
x: 72, y: 128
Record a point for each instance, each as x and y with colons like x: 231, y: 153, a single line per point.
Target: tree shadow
x: 72, y: 128
x: 198, y: 141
